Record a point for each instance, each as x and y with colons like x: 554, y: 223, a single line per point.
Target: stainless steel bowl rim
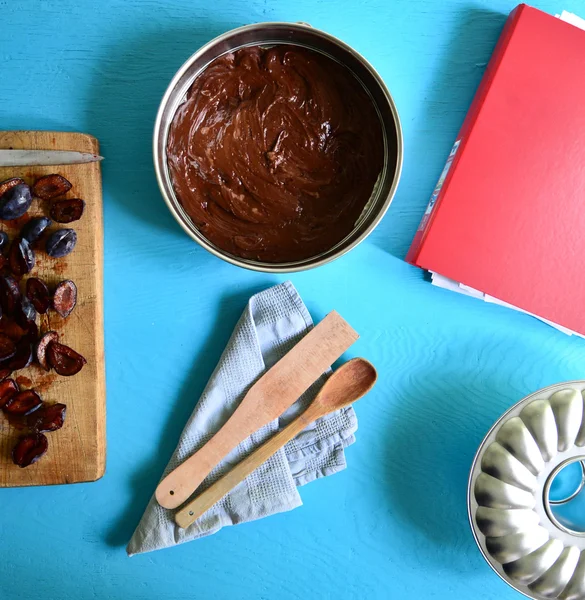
x: 305, y: 264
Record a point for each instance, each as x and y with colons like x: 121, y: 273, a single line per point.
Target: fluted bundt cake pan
x: 508, y: 494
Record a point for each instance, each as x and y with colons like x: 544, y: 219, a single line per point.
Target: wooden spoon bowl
x: 347, y: 384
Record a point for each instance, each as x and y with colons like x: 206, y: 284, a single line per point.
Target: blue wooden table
x: 394, y: 524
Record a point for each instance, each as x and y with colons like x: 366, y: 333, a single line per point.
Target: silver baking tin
x: 509, y: 510
x: 301, y: 35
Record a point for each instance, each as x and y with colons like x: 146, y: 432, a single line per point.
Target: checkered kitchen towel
x: 273, y: 322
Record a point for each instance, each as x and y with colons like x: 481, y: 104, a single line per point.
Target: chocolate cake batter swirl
x: 275, y: 152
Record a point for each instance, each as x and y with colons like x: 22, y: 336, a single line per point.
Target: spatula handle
x: 215, y: 492
x: 268, y: 398
x: 179, y: 484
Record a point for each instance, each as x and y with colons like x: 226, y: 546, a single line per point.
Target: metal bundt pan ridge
x: 507, y: 498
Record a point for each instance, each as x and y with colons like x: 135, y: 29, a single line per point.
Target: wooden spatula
x: 349, y: 383
x: 267, y: 399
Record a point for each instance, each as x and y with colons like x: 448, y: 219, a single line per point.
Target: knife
x: 30, y: 158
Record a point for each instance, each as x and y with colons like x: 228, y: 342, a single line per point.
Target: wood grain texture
x: 347, y: 384
x: 393, y: 525
x: 265, y: 401
x: 77, y: 452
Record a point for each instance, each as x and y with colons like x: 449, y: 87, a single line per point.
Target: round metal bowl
x: 270, y: 34
x: 510, y: 511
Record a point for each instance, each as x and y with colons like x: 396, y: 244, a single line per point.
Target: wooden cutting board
x: 77, y: 451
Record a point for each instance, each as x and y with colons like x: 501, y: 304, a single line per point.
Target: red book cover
x: 508, y: 214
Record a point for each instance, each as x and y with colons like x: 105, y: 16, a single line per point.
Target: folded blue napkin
x: 273, y: 322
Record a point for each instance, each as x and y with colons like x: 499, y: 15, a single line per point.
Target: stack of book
x: 506, y: 222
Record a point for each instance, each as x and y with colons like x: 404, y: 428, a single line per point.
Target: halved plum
x: 13, y: 330
x: 29, y: 449
x: 9, y: 294
x: 23, y: 403
x: 38, y: 293
x: 8, y: 184
x: 61, y: 243
x: 67, y: 210
x: 41, y: 350
x: 23, y: 356
x: 50, y: 417
x: 28, y: 311
x: 21, y: 257
x: 34, y: 229
x: 8, y: 389
x: 64, y: 360
x: 7, y: 347
x: 15, y: 202
x: 51, y: 186
x: 65, y: 298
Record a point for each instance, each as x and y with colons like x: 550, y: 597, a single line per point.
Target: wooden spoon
x: 267, y: 399
x: 349, y: 383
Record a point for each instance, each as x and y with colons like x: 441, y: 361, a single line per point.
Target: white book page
x: 454, y: 286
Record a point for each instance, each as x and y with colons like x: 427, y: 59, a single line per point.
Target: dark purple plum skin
x: 38, y: 293
x: 9, y: 294
x: 15, y: 202
x: 28, y: 309
x: 61, y: 243
x: 21, y: 257
x: 33, y: 230
x: 4, y: 241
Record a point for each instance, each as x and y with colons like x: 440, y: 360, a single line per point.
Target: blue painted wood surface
x: 394, y: 525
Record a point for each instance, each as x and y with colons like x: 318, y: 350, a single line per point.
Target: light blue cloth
x: 273, y: 322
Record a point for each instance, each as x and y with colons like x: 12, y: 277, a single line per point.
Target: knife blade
x: 31, y: 158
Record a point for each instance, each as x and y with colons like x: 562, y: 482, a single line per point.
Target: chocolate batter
x: 275, y: 152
